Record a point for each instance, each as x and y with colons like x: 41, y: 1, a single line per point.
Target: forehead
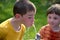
x: 31, y: 13
x: 53, y: 15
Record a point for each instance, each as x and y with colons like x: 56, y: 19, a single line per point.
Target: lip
x: 32, y: 23
x: 51, y: 24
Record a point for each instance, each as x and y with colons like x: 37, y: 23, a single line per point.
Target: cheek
x: 57, y: 22
x: 26, y: 20
x: 48, y: 20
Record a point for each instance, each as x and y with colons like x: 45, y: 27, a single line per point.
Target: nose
x: 51, y: 20
x: 32, y: 20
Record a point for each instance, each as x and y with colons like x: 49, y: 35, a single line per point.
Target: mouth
x: 51, y: 23
x: 32, y: 22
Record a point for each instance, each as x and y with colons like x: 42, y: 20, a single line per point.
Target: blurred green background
x: 6, y: 11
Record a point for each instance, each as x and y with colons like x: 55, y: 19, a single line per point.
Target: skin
x: 54, y: 21
x: 27, y: 20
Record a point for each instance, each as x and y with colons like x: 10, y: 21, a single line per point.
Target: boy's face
x: 28, y: 19
x: 53, y: 20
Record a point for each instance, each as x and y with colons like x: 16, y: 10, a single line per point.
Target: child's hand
x: 37, y: 36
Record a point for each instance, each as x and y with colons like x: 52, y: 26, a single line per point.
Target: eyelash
x: 29, y: 17
x: 49, y: 17
x: 54, y: 18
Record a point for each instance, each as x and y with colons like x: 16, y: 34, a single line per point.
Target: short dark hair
x: 22, y: 7
x: 55, y: 8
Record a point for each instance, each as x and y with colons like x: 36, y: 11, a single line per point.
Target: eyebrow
x: 31, y: 15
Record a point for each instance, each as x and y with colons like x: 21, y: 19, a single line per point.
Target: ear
x: 17, y: 16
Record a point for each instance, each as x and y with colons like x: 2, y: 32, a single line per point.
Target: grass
x: 40, y: 17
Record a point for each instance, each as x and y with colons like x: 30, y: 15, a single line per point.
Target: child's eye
x: 55, y: 18
x: 49, y: 17
x: 29, y: 17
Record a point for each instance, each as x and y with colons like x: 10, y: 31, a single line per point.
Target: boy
x: 51, y: 31
x: 13, y: 28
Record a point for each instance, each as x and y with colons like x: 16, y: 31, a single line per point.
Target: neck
x: 16, y: 24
